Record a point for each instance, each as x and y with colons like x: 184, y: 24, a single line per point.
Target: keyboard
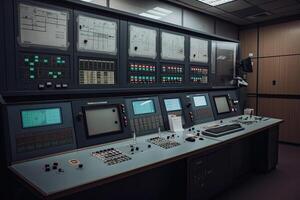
x: 223, y: 130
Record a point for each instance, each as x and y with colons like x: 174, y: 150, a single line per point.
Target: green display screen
x: 41, y: 117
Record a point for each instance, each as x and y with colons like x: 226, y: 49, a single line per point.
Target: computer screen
x: 172, y: 104
x: 200, y: 101
x: 41, y: 117
x: 143, y: 107
x: 102, y: 120
x: 222, y: 104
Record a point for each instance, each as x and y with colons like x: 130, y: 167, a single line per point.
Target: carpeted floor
x: 281, y: 184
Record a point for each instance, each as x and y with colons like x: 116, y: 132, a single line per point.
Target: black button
x: 47, y: 169
x: 201, y: 138
x: 137, y: 148
x: 55, y: 163
x: 80, y: 166
x: 54, y: 167
x: 149, y: 145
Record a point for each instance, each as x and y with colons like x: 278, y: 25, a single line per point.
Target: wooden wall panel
x: 252, y: 78
x: 287, y: 109
x: 284, y: 70
x: 279, y: 39
x: 248, y: 41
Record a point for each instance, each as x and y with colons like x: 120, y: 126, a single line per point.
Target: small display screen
x: 200, y: 101
x: 143, y: 107
x: 172, y: 104
x: 102, y: 120
x: 222, y: 104
x: 41, y: 117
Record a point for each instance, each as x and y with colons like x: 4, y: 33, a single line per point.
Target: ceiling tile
x: 278, y: 4
x: 258, y: 2
x: 248, y: 11
x: 287, y: 9
x: 234, y: 5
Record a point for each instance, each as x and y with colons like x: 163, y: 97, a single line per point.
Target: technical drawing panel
x: 42, y: 27
x: 198, y: 50
x: 142, y: 42
x: 172, y: 46
x: 97, y: 35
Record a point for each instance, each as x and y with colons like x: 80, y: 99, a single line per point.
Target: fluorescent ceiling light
x: 215, y: 2
x: 156, y: 13
x: 163, y: 10
x: 150, y: 16
x: 87, y: 0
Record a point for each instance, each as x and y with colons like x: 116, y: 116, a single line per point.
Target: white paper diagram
x: 142, y: 42
x: 97, y: 35
x: 172, y: 46
x: 43, y: 27
x: 198, y: 50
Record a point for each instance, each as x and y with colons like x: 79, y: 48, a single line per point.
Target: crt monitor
x: 41, y: 117
x: 199, y: 101
x: 102, y: 119
x: 141, y: 107
x: 222, y: 104
x: 172, y: 104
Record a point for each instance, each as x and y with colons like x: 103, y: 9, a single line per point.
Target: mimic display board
x: 97, y: 35
x: 142, y: 42
x: 41, y: 117
x: 222, y: 104
x: 102, y: 120
x: 172, y: 104
x: 172, y: 46
x: 198, y: 50
x: 43, y: 27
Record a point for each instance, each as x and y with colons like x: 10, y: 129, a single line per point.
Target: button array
x: 111, y: 156
x: 164, y: 143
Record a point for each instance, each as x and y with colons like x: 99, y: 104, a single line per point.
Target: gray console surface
x: 94, y: 170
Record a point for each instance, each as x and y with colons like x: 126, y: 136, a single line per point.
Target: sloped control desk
x: 206, y: 165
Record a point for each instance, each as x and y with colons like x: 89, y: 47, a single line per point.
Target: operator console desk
x: 58, y: 175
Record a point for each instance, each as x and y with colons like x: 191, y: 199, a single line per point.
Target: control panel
x: 172, y: 104
x: 199, y: 108
x: 145, y: 115
x: 142, y: 73
x: 43, y: 71
x: 225, y: 104
x: 171, y: 74
x: 97, y: 72
x: 198, y: 74
x: 99, y: 121
x: 42, y: 129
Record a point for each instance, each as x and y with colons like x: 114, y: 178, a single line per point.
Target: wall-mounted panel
x: 280, y: 39
x: 248, y: 38
x: 279, y: 75
x: 226, y: 29
x: 151, y: 9
x: 252, y: 78
x: 199, y: 22
x: 287, y: 109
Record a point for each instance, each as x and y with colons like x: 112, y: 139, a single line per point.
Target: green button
x: 58, y: 62
x: 54, y: 76
x: 31, y: 64
x: 36, y: 57
x: 31, y: 69
x: 58, y: 73
x: 58, y: 58
x: 50, y: 73
x: 63, y: 61
x: 36, y: 60
x: 26, y: 59
x: 31, y: 76
x: 45, y: 61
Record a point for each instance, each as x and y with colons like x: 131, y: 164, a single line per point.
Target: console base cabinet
x: 210, y: 174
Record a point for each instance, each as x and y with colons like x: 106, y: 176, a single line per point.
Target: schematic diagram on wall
x: 43, y: 27
x: 172, y: 46
x: 97, y: 35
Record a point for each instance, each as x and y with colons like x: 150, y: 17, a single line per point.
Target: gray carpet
x: 281, y: 184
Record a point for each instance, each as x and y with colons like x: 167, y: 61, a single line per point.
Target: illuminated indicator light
x: 31, y: 76
x: 36, y: 57
x: 58, y: 73
x: 58, y: 61
x: 63, y: 61
x: 26, y: 60
x: 36, y: 60
x: 58, y: 58
x: 31, y: 64
x: 54, y: 76
x: 31, y: 69
x: 45, y: 61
